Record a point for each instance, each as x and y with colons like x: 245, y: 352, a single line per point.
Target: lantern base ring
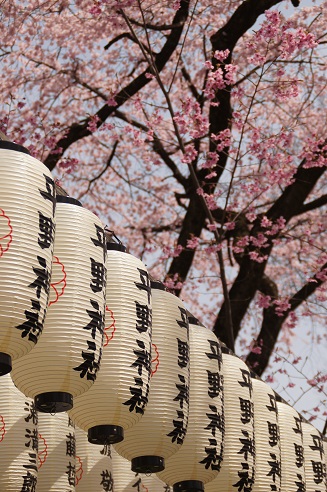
x: 189, y: 486
x: 148, y: 464
x: 105, y: 434
x: 53, y: 402
x: 5, y: 364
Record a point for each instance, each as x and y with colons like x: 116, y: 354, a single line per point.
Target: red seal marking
x: 145, y: 488
x: 58, y: 287
x: 111, y: 328
x: 79, y: 470
x: 2, y: 428
x: 155, y: 360
x: 5, y: 232
x: 42, y: 455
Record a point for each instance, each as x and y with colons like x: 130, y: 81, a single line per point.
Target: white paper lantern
x: 57, y: 467
x: 314, y: 458
x: 109, y: 406
x: 151, y: 483
x: 124, y: 478
x: 267, y: 441
x: 18, y: 439
x: 66, y: 361
x: 198, y: 461
x: 237, y: 470
x: 291, y: 445
x: 93, y: 465
x: 27, y: 205
x: 161, y: 431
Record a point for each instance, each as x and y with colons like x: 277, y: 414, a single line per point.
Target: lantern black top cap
x: 4, y: 144
x: 68, y: 199
x: 116, y: 247
x: 157, y: 285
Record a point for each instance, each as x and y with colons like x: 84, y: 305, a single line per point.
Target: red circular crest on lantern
x: 42, y: 455
x: 109, y: 331
x: 79, y: 469
x: 155, y: 361
x: 2, y: 428
x: 5, y: 232
x: 57, y: 288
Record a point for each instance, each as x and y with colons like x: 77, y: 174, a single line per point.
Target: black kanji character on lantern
x: 138, y: 485
x: 42, y: 280
x: 138, y: 400
x: 32, y: 436
x: 49, y: 194
x: 215, y: 383
x: 317, y: 445
x: 319, y: 471
x: 299, y: 460
x: 70, y: 445
x: 246, y: 380
x: 216, y: 420
x: 100, y: 240
x: 298, y: 427
x: 183, y: 353
x: 98, y: 272
x: 215, y: 352
x: 274, y: 467
x: 247, y: 445
x: 32, y: 413
x: 179, y: 431
x: 183, y: 395
x: 143, y: 358
x: 106, y: 451
x: 183, y: 323
x: 32, y: 327
x: 246, y: 481
x: 71, y: 473
x: 90, y: 366
x: 246, y: 407
x: 29, y: 484
x: 143, y: 317
x: 32, y: 461
x: 145, y: 283
x: 71, y: 423
x: 46, y: 231
x: 300, y: 484
x: 166, y: 488
x: 97, y: 320
x: 273, y: 406
x: 273, y: 433
x: 213, y: 459
x: 107, y: 481
x: 273, y: 487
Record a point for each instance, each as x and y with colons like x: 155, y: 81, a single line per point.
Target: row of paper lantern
x: 65, y: 362
x: 256, y: 444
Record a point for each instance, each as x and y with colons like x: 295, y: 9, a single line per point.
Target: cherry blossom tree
x: 196, y: 130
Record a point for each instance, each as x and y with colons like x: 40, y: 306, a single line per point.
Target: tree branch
x: 77, y: 131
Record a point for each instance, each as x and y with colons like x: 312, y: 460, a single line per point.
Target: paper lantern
x: 314, y: 458
x: 66, y: 361
x: 291, y: 445
x: 198, y: 461
x: 125, y: 479
x: 162, y: 429
x: 151, y: 483
x: 267, y: 442
x: 18, y: 439
x: 27, y: 206
x: 237, y: 469
x: 117, y: 399
x: 93, y: 465
x: 57, y: 468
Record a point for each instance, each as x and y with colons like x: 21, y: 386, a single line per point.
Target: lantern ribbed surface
x: 237, y: 469
x: 124, y: 477
x: 126, y: 357
x: 57, y: 450
x: 315, y: 460
x: 162, y: 429
x: 93, y: 465
x: 267, y: 441
x: 291, y: 445
x: 27, y: 203
x: 151, y: 483
x: 67, y: 358
x: 201, y: 454
x: 18, y: 438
